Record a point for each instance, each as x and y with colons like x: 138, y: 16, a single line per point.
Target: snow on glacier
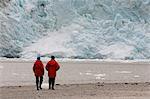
x: 116, y: 29
x: 53, y: 44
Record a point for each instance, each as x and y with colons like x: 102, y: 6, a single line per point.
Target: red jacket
x: 52, y: 66
x: 38, y: 68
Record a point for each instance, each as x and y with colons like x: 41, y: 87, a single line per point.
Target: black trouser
x: 37, y: 82
x: 51, y: 81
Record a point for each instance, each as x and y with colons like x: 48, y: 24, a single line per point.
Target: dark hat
x: 52, y: 57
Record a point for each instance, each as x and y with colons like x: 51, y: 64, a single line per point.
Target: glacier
x: 82, y: 29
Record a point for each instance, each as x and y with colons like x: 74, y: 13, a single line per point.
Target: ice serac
x: 117, y: 29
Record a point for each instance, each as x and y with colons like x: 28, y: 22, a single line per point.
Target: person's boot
x: 40, y: 87
x: 37, y: 86
x: 53, y: 83
x: 41, y: 80
x: 49, y: 84
x: 37, y: 83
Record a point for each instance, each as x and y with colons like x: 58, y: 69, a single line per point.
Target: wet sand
x: 80, y: 91
x: 20, y: 73
x: 77, y: 80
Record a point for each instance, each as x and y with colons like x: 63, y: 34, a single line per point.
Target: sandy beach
x: 77, y: 80
x: 80, y: 91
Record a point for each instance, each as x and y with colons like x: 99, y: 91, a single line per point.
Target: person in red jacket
x: 38, y: 70
x: 52, y: 66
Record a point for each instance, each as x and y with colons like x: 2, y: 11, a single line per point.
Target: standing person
x: 52, y: 66
x: 38, y: 70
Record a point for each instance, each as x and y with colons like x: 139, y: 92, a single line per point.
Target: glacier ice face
x: 117, y: 29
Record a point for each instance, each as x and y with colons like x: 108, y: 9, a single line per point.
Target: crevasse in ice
x: 81, y: 28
